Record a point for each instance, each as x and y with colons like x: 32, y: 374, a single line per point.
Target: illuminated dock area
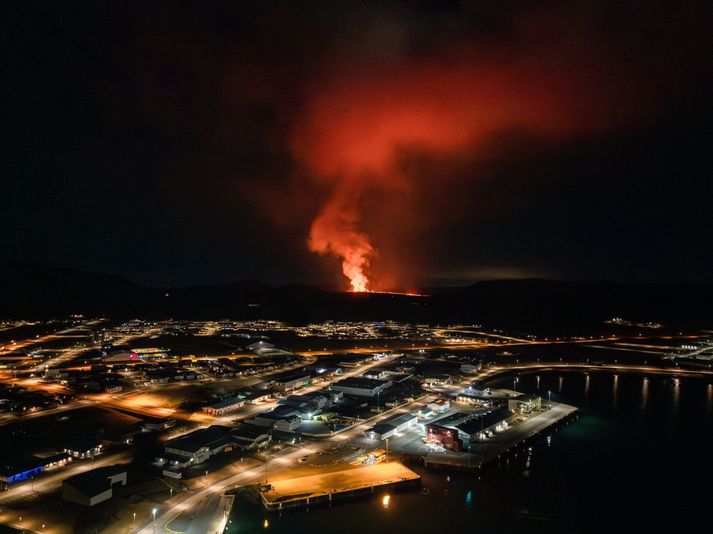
x: 516, y: 436
x: 322, y: 488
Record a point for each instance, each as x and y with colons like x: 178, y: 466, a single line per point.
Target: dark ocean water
x: 638, y: 459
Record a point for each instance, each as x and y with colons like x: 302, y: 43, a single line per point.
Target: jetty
x: 501, y: 443
x: 326, y: 487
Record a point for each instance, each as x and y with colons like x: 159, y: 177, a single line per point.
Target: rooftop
x: 96, y: 480
x: 360, y: 382
x: 196, y: 440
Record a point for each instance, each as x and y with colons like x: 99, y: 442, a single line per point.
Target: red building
x: 444, y: 436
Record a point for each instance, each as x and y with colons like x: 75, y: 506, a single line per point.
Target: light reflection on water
x: 676, y: 395
x: 566, y: 489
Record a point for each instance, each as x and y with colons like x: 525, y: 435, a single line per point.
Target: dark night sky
x: 156, y: 140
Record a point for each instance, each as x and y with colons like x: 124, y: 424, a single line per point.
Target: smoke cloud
x: 335, y: 231
x: 358, y: 132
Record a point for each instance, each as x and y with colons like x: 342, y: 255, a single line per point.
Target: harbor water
x: 639, y: 458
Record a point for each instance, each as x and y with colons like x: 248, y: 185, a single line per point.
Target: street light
x: 154, y: 518
x: 549, y: 396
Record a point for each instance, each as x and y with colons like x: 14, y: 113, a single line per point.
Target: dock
x: 501, y: 443
x: 324, y: 488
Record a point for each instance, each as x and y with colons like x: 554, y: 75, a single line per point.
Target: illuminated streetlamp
x: 154, y: 518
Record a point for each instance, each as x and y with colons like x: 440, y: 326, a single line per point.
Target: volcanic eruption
x: 358, y: 130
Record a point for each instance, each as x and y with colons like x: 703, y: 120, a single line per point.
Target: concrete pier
x: 324, y: 488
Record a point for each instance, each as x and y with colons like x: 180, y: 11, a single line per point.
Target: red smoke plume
x: 357, y: 131
x: 335, y: 232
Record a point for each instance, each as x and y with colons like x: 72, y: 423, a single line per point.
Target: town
x: 147, y: 426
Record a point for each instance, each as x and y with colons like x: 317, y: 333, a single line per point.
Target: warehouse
x: 287, y: 420
x: 220, y: 408
x: 92, y: 487
x: 361, y: 387
x: 391, y: 426
x: 292, y: 382
x: 29, y: 467
x: 458, y: 430
x: 250, y: 437
x: 197, y: 446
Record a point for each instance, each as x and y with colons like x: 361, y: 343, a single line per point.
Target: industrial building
x: 229, y: 405
x: 525, y: 404
x: 197, y: 446
x: 361, y: 387
x: 291, y: 382
x: 95, y: 486
x: 84, y: 448
x: 158, y: 425
x: 260, y: 347
x: 307, y: 405
x: 151, y: 353
x: 392, y: 425
x: 29, y: 467
x: 252, y: 396
x: 470, y: 369
x: 439, y: 405
x: 458, y: 430
x: 281, y: 418
x: 249, y: 437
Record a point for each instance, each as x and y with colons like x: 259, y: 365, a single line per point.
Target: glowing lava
x: 398, y: 293
x: 335, y: 232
